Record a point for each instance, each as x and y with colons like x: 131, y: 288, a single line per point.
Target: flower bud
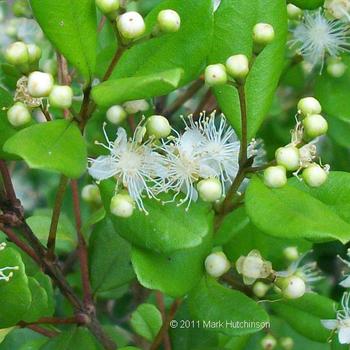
x: 309, y: 105
x: 217, y: 264
x: 292, y: 287
x: 107, y: 6
x: 315, y: 125
x: 337, y: 8
x: 288, y: 157
x: 291, y: 253
x: 210, y: 190
x: 260, y: 289
x: 336, y: 69
x: 18, y: 114
x: 294, y: 12
x: 169, y: 21
x: 34, y: 53
x: 122, y: 205
x: 314, y: 175
x: 263, y: 34
x: 286, y: 343
x: 17, y: 54
x: 215, y: 74
x: 61, y: 97
x: 91, y: 194
x: 158, y: 126
x: 40, y: 84
x: 268, y: 342
x: 238, y: 66
x: 131, y: 25
x: 275, y: 176
x: 116, y: 114
x: 132, y: 107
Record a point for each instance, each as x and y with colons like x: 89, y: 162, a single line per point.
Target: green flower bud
x: 294, y: 12
x: 287, y: 343
x: 40, y: 84
x: 314, y: 175
x: 263, y: 34
x: 17, y: 54
x: 131, y: 25
x: 18, y: 114
x: 132, y: 107
x: 268, y: 342
x: 309, y: 105
x: 122, y: 205
x: 292, y: 287
x: 215, y: 74
x: 61, y: 97
x: 315, y: 125
x: 260, y: 289
x: 217, y: 264
x: 288, y: 157
x: 91, y: 194
x: 169, y: 21
x: 116, y: 114
x: 209, y: 190
x: 275, y: 176
x: 34, y: 53
x: 291, y: 253
x: 336, y: 69
x: 238, y: 66
x: 158, y: 126
x: 107, y: 6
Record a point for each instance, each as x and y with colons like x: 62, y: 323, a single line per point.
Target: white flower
x: 342, y: 322
x: 318, y: 36
x: 346, y: 281
x: 136, y: 166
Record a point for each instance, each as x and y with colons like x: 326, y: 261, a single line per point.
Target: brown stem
x: 161, y: 306
x: 164, y: 329
x: 43, y: 331
x: 46, y: 113
x: 118, y: 54
x: 244, y: 126
x: 101, y: 24
x: 82, y: 248
x: 188, y: 94
x: 10, y: 191
x: 51, y: 241
x: 51, y: 320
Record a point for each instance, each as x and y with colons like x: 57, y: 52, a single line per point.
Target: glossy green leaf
x: 307, y: 4
x: 23, y: 339
x: 110, y: 258
x: 305, y: 314
x: 212, y: 302
x: 234, y: 21
x: 15, y: 294
x: 290, y: 212
x: 71, y: 26
x: 56, y: 146
x: 174, y: 274
x: 187, y: 49
x: 146, y: 321
x: 166, y: 228
x: 77, y: 338
x: 4, y: 332
x: 116, y: 91
x: 339, y: 131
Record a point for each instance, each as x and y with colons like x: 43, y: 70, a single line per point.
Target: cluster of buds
x: 237, y: 66
x: 6, y: 273
x: 131, y: 25
x: 299, y: 155
x: 269, y: 342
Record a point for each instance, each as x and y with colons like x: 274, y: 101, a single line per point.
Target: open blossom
x: 135, y: 165
x: 342, y: 322
x: 318, y: 36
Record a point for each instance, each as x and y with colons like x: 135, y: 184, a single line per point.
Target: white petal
x: 344, y: 335
x: 329, y: 324
x: 102, y: 168
x: 345, y: 283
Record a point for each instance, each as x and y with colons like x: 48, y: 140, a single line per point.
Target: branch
x: 51, y: 241
x: 161, y: 306
x: 43, y: 331
x: 9, y: 190
x: 244, y: 125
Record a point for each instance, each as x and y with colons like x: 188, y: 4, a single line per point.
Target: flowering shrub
x: 174, y: 174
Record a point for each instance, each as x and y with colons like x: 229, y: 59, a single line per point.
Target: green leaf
x: 65, y: 237
x: 77, y: 338
x: 245, y: 236
x: 71, y: 26
x: 211, y: 302
x: 187, y: 49
x: 23, y: 339
x: 110, y: 258
x: 46, y: 283
x: 129, y: 348
x: 339, y: 131
x: 234, y: 21
x: 56, y: 146
x: 174, y: 274
x: 15, y: 294
x: 146, y: 321
x: 305, y: 314
x: 290, y: 212
x: 307, y: 4
x: 166, y: 228
x: 4, y: 332
x: 120, y: 90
